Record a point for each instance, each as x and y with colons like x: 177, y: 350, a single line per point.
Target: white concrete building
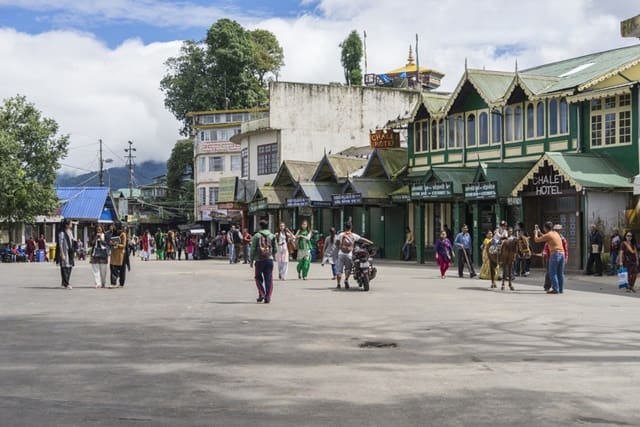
x: 306, y: 120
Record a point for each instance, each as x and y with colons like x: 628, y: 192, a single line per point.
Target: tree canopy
x: 227, y: 70
x: 351, y: 57
x: 30, y: 149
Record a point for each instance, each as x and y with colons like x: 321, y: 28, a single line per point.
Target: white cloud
x: 94, y: 91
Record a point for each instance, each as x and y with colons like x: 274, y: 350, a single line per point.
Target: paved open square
x: 185, y: 344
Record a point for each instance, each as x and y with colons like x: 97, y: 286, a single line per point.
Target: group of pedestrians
x: 110, y: 248
x: 265, y: 247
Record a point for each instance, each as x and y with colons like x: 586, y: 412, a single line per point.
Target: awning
x: 318, y: 193
x: 601, y: 93
x: 555, y: 173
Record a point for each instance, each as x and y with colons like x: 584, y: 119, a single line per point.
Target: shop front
x: 433, y: 205
x: 574, y: 191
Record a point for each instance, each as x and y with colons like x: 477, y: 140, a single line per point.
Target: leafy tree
x: 30, y: 150
x: 269, y: 57
x: 351, y: 57
x: 225, y: 71
x: 180, y: 163
x: 180, y: 178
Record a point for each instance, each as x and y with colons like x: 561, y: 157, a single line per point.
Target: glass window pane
x: 596, y: 130
x: 471, y: 130
x: 434, y: 135
x: 459, y: 131
x: 441, y: 134
x: 508, y: 124
x: 564, y: 116
x: 483, y: 125
x: 517, y: 123
x: 610, y: 128
x: 625, y: 127
x: 553, y: 117
x: 451, y: 127
x: 540, y: 119
x: 496, y: 128
x: 530, y: 121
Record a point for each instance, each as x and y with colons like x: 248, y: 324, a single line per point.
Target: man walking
x: 408, y: 242
x: 345, y: 243
x: 463, y: 243
x: 595, y: 249
x: 263, y: 249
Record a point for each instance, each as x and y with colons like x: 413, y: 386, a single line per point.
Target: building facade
x: 216, y: 158
x: 556, y: 142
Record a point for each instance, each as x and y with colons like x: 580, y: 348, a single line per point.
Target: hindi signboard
x: 346, y: 199
x: 227, y: 189
x: 432, y: 190
x: 297, y: 202
x: 481, y: 190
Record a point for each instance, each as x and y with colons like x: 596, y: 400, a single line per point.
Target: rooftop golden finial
x: 410, y: 59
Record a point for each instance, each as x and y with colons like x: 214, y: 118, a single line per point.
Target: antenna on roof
x: 465, y: 63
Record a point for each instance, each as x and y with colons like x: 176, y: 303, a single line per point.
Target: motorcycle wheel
x: 365, y: 282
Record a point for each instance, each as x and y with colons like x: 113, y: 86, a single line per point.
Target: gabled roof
x: 532, y: 85
x: 585, y: 71
x: 85, y: 203
x: 387, y: 162
x: 318, y: 191
x: 433, y: 102
x: 293, y: 171
x: 274, y: 195
x: 336, y: 167
x: 582, y: 171
x: 490, y: 85
x: 372, y: 188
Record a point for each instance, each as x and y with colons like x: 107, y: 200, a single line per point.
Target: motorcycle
x: 363, y: 270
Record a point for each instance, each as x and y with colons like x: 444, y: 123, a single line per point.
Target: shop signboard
x: 384, y: 138
x: 347, y: 199
x: 481, y: 190
x: 548, y: 181
x: 400, y: 198
x: 320, y: 203
x: 432, y: 190
x: 298, y: 202
x: 257, y: 205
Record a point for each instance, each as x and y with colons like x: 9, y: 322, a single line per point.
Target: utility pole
x: 100, y: 180
x: 130, y: 151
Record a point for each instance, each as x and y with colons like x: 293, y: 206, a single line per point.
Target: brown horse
x: 504, y: 257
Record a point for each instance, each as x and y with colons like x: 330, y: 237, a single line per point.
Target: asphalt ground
x: 185, y: 344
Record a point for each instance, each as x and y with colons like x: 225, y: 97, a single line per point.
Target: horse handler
x: 463, y: 243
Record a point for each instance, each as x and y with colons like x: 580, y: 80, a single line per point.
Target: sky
x: 95, y: 66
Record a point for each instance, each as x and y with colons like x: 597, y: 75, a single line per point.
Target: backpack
x: 264, y: 246
x: 346, y: 242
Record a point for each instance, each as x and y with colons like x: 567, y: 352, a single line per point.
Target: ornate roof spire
x: 410, y: 59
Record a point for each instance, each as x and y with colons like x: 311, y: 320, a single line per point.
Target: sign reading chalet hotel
x: 481, y: 190
x: 548, y: 181
x: 434, y: 190
x: 383, y: 138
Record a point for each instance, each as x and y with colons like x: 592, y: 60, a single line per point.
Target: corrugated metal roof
x: 83, y: 203
x: 587, y: 69
x: 373, y: 188
x: 457, y: 176
x: 506, y: 174
x: 275, y: 195
x: 320, y: 191
x: 388, y: 162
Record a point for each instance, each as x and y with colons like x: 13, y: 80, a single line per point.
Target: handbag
x: 291, y: 245
x: 99, y: 251
x: 623, y: 278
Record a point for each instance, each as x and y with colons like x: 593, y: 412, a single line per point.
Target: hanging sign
x: 346, y: 199
x: 297, y: 202
x: 432, y: 190
x: 481, y: 190
x: 547, y: 181
x: 384, y: 138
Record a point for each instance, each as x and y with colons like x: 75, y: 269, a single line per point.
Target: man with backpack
x: 344, y: 243
x: 262, y: 252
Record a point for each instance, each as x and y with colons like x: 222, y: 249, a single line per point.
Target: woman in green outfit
x: 303, y: 238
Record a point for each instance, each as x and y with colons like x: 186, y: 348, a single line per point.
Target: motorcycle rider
x: 344, y: 245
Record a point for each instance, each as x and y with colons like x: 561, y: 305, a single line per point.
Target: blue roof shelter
x: 86, y: 204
